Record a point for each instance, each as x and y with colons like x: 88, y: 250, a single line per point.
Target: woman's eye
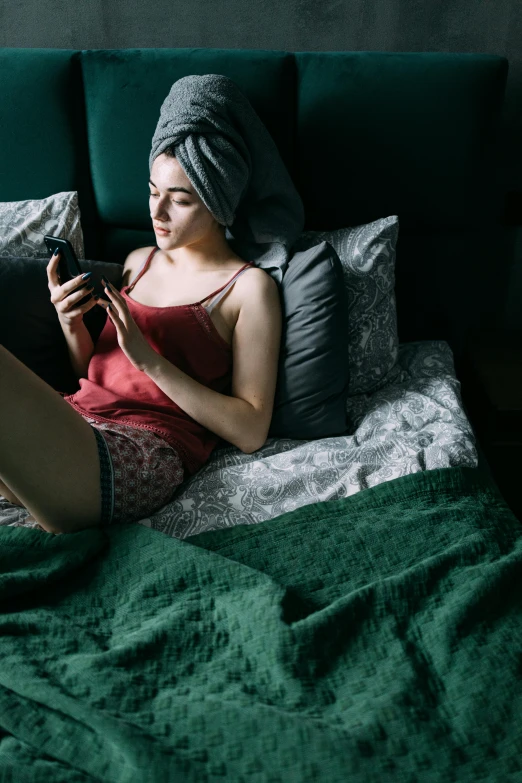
x: 155, y: 195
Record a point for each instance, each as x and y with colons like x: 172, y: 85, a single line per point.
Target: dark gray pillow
x: 313, y: 374
x: 29, y: 325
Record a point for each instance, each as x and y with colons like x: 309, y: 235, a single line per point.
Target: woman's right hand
x: 69, y: 313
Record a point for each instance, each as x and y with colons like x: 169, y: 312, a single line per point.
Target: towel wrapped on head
x: 235, y: 167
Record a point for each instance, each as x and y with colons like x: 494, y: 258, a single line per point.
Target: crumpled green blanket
x: 372, y: 638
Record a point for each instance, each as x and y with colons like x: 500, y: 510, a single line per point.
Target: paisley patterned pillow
x: 367, y: 255
x: 23, y: 225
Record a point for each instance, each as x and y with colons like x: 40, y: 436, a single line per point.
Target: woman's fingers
x: 111, y: 290
x: 81, y: 293
x: 84, y: 307
x: 60, y: 291
x: 106, y: 305
x: 116, y: 299
x: 52, y: 269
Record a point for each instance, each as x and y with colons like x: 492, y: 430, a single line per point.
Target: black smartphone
x: 69, y: 266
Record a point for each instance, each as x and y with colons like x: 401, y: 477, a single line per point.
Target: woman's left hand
x: 130, y: 338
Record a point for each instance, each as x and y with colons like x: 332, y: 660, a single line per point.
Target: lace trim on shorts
x: 106, y: 473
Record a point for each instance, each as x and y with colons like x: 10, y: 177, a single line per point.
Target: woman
x: 52, y: 446
x: 168, y: 377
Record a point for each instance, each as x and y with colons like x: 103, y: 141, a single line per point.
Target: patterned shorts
x: 139, y: 471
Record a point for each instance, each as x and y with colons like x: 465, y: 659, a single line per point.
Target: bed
x: 334, y: 608
x: 415, y: 423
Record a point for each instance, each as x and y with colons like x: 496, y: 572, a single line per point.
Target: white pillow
x: 23, y: 225
x: 367, y: 254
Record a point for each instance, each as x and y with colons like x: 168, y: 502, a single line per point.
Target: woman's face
x: 182, y: 213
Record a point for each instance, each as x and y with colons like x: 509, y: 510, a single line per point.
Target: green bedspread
x: 373, y: 638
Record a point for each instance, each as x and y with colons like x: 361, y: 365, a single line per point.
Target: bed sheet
x: 415, y: 421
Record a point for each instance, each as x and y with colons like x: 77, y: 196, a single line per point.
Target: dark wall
x: 301, y: 25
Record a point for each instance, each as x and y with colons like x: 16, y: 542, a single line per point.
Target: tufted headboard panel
x: 364, y: 135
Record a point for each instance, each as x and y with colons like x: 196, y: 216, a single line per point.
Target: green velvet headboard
x: 364, y: 135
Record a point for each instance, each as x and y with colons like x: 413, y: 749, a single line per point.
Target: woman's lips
x: 161, y: 230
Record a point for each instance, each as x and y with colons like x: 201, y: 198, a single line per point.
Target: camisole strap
x: 224, y: 288
x: 143, y: 269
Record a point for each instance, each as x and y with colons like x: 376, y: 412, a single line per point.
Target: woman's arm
x: 80, y: 346
x: 234, y: 420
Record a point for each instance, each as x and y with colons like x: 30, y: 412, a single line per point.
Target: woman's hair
x: 170, y: 153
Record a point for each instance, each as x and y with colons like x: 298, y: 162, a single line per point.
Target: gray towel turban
x: 235, y: 167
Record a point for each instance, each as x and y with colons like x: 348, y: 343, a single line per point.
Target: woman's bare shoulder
x: 133, y: 262
x: 256, y: 285
x: 258, y: 278
x: 256, y: 275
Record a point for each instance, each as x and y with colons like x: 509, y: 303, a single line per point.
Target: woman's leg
x: 8, y: 495
x: 48, y: 452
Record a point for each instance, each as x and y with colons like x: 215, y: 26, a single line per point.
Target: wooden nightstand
x: 491, y: 386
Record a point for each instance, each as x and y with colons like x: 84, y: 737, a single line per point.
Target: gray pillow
x: 29, y: 326
x: 367, y: 254
x: 310, y: 397
x: 313, y: 375
x: 23, y: 224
